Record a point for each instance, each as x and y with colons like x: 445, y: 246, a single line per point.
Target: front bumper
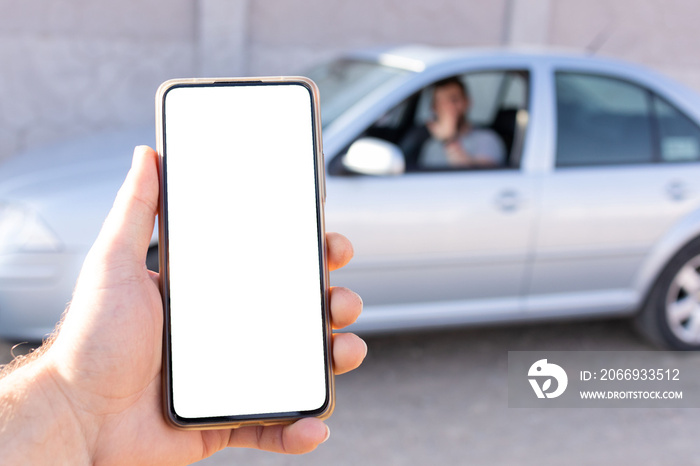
x: 35, y: 289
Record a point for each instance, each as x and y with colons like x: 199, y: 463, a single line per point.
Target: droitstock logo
x: 544, y: 371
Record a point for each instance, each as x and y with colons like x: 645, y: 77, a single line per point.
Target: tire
x: 670, y: 317
x: 152, y: 258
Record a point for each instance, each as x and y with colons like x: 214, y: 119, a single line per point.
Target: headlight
x: 21, y: 230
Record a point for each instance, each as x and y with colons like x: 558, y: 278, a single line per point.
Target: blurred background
x: 73, y: 67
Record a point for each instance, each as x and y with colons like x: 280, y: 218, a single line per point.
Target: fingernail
x: 138, y: 151
x: 328, y: 434
x: 366, y: 348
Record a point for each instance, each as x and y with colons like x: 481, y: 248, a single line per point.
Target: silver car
x: 595, y: 212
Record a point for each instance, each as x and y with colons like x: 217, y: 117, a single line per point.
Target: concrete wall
x: 71, y: 67
x: 662, y: 34
x: 322, y: 28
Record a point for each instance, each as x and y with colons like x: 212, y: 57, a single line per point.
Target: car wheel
x: 671, y: 315
x: 152, y: 258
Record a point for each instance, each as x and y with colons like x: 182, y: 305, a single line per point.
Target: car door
x: 437, y: 246
x: 626, y: 169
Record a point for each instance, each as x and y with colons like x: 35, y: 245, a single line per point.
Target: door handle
x: 677, y: 190
x: 508, y: 200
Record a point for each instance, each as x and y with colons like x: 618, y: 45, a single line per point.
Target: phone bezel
x: 232, y: 421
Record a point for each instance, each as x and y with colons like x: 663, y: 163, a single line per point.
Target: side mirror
x: 372, y: 156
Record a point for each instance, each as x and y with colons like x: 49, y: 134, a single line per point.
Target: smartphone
x: 243, y: 270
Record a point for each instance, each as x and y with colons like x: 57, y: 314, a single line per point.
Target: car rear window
x: 608, y: 121
x: 602, y: 121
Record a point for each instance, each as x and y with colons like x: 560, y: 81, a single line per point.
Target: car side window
x: 679, y: 136
x: 608, y: 121
x: 498, y: 104
x: 602, y: 121
x: 393, y: 123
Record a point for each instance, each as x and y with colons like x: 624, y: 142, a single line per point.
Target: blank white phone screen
x: 243, y: 234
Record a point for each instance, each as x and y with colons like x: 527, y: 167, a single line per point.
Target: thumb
x: 127, y: 231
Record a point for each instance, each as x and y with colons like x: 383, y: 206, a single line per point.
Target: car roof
x: 427, y: 58
x: 420, y: 57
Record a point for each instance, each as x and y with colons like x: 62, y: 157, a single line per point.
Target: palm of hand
x: 114, y: 376
x: 107, y: 356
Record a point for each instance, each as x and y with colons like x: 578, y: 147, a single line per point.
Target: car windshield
x: 343, y: 83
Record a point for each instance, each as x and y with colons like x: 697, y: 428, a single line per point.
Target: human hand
x: 457, y: 156
x: 102, y: 377
x: 446, y: 124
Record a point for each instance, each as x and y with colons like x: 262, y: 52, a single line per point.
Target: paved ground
x: 441, y: 398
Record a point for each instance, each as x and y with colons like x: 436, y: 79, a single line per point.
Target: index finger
x: 339, y: 250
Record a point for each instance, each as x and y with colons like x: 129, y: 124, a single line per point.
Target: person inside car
x: 453, y: 142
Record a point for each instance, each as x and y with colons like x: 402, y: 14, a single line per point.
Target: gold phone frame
x: 226, y: 422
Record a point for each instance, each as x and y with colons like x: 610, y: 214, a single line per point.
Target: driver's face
x: 450, y: 100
